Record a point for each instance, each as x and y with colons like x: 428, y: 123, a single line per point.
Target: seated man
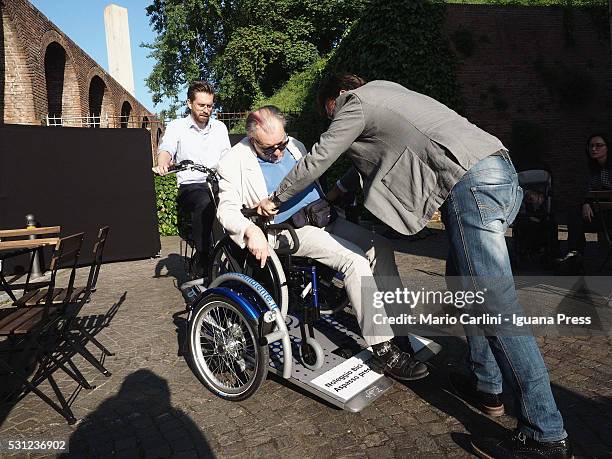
x: 251, y: 170
x: 201, y: 139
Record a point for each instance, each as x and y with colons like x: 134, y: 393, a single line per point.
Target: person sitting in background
x: 251, y: 170
x: 584, y: 218
x: 534, y: 203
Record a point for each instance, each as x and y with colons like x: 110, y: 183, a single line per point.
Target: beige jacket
x: 241, y: 182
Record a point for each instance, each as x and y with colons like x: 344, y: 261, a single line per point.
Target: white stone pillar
x: 118, y: 46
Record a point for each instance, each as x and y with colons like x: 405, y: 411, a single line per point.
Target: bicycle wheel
x: 224, y: 349
x: 228, y: 257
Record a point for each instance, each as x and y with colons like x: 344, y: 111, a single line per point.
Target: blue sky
x: 83, y: 22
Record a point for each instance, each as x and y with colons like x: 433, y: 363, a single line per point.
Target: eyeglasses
x: 597, y: 145
x: 269, y: 151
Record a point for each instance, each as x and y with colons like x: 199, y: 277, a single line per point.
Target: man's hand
x: 335, y: 194
x: 161, y: 169
x: 587, y: 212
x: 267, y: 208
x: 164, y: 161
x: 257, y: 243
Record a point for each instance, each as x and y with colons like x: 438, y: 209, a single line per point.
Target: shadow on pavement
x: 588, y: 421
x: 174, y: 265
x: 435, y: 390
x: 139, y: 421
x: 430, y: 243
x: 24, y: 362
x: 182, y: 324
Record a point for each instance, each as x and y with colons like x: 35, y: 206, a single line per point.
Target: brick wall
x: 30, y: 81
x: 17, y: 97
x: 502, y: 81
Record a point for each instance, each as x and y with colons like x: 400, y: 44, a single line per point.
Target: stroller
x: 534, y: 231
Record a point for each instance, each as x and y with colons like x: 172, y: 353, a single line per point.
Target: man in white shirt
x: 202, y: 140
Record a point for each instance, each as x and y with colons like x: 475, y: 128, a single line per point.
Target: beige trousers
x: 359, y: 254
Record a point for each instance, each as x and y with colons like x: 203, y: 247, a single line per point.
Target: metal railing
x: 102, y: 121
x: 233, y: 120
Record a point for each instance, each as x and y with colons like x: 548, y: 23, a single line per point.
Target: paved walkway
x: 153, y: 406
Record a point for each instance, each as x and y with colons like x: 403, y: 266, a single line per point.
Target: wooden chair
x: 75, y: 334
x: 33, y: 334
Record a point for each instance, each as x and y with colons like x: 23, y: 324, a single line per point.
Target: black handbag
x: 319, y: 213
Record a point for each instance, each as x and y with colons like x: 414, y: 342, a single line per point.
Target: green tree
x: 249, y: 48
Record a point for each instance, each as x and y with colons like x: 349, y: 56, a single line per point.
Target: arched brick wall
x: 71, y: 100
x: 17, y: 100
x: 55, y: 66
x: 99, y: 99
x: 125, y: 116
x: 26, y: 36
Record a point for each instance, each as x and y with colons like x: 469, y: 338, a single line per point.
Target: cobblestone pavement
x: 153, y: 406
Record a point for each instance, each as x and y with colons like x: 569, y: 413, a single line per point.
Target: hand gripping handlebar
x: 265, y: 227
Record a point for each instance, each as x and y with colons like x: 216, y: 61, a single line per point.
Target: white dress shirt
x: 184, y: 139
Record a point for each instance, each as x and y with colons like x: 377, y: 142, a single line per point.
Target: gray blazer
x: 408, y: 151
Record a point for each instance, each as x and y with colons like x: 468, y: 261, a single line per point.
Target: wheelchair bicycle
x: 288, y: 318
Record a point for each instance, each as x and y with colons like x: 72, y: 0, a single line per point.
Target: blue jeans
x: 476, y: 215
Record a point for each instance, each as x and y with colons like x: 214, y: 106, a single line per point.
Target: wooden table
x: 13, y: 248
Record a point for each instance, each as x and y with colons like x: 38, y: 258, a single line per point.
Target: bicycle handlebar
x: 188, y: 164
x: 249, y: 213
x: 265, y: 227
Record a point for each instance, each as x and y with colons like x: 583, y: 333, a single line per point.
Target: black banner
x: 81, y: 179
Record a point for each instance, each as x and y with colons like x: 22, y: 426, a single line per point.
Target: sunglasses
x: 269, y: 151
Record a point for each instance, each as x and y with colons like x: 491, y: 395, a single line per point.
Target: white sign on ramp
x: 349, y: 378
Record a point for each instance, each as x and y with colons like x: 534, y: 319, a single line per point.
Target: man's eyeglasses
x: 269, y: 151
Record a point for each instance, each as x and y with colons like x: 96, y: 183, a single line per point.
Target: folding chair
x: 35, y: 332
x: 75, y: 334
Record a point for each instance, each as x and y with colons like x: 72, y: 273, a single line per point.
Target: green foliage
x: 165, y: 192
x: 401, y: 41
x: 297, y: 98
x: 249, y: 48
